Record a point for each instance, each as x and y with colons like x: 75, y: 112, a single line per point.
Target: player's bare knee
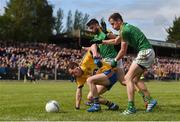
x: 123, y: 83
x: 144, y: 90
x: 89, y: 80
x: 135, y: 81
x: 89, y: 97
x: 127, y: 79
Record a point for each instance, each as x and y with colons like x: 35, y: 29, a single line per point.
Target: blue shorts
x: 112, y: 78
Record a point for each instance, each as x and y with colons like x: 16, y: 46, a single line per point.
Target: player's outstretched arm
x: 78, y: 97
x: 94, y: 50
x: 122, y: 51
x: 115, y: 41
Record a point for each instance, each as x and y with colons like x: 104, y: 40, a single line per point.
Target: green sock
x: 148, y: 99
x: 141, y: 94
x: 130, y: 104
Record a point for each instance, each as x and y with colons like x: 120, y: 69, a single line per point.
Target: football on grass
x: 52, y: 106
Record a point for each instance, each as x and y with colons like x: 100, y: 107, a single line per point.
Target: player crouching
x: 99, y: 83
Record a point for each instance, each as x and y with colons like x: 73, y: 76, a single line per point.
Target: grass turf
x: 26, y: 101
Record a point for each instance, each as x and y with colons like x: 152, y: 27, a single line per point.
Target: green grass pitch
x: 26, y: 101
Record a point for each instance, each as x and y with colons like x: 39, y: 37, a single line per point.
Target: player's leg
x: 149, y: 102
x: 90, y: 99
x: 141, y: 89
x: 145, y: 59
x: 107, y: 79
x: 141, y: 93
x: 139, y: 86
x: 112, y: 77
x: 99, y: 79
x: 133, y: 71
x: 120, y: 75
x: 101, y: 90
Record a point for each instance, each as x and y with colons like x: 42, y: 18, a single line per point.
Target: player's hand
x: 94, y: 71
x: 98, y: 62
x: 113, y: 63
x: 85, y: 48
x: 94, y: 41
x: 103, y: 25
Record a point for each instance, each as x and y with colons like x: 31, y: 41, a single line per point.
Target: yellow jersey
x: 87, y: 66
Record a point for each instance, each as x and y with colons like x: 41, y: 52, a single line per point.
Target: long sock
x: 130, y: 104
x: 142, y: 95
x: 96, y: 100
x: 148, y: 98
x: 108, y: 103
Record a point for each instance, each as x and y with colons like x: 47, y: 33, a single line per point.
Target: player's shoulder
x: 126, y: 28
x: 85, y: 58
x: 81, y: 80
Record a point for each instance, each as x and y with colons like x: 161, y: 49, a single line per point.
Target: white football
x: 52, y: 106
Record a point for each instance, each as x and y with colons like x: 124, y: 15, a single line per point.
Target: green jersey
x: 134, y: 37
x: 106, y: 51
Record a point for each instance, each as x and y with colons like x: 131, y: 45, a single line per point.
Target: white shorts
x: 145, y: 58
x: 109, y: 60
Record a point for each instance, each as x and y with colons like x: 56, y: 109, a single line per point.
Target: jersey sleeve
x: 86, y: 58
x: 87, y: 63
x: 125, y: 34
x: 100, y: 36
x: 81, y: 81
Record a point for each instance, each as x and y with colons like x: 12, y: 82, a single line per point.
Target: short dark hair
x: 92, y: 21
x: 115, y: 16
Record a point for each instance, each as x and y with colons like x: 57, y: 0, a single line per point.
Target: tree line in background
x: 174, y: 31
x: 79, y: 21
x: 33, y: 20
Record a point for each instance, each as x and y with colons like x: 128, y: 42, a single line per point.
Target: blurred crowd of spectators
x: 164, y: 68
x: 46, y: 58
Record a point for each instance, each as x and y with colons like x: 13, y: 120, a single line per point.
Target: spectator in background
x: 12, y: 55
x: 31, y: 68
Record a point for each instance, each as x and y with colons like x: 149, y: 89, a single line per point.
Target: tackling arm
x: 94, y: 50
x: 122, y: 51
x: 115, y: 41
x: 78, y: 97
